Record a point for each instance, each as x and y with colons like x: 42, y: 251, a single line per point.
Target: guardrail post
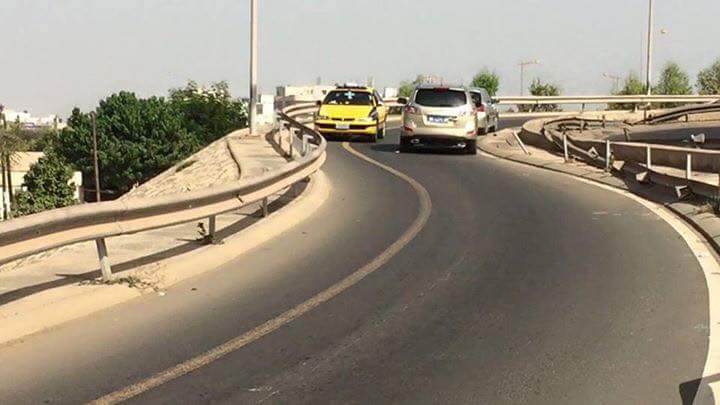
x: 105, y: 267
x: 305, y: 140
x: 582, y: 126
x: 212, y: 226
x: 565, y: 148
x: 265, y: 207
x: 520, y: 142
x: 603, y: 121
x: 280, y: 137
x: 688, y: 169
x: 648, y: 157
x: 292, y: 138
x: 608, y: 155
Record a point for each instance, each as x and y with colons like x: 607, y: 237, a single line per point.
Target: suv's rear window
x: 348, y: 97
x: 440, y: 98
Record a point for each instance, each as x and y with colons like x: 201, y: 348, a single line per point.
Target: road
x: 523, y: 286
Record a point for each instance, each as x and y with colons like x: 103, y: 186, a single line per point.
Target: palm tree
x: 10, y: 144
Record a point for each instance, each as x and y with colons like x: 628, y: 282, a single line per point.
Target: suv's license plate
x: 342, y: 126
x: 437, y: 119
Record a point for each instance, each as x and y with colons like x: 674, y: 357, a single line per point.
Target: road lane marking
x: 285, y: 318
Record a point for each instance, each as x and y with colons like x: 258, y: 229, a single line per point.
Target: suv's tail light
x: 480, y: 108
x: 466, y: 112
x: 410, y: 109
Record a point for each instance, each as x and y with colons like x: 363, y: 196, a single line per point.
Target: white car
x: 487, y: 113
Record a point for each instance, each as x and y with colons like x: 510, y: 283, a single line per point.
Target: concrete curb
x: 52, y: 308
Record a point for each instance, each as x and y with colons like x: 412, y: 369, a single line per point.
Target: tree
x: 538, y: 88
x: 10, y: 143
x: 47, y: 186
x: 673, y: 81
x: 488, y: 80
x: 708, y: 81
x: 210, y: 113
x: 406, y: 89
x: 137, y: 139
x: 633, y: 86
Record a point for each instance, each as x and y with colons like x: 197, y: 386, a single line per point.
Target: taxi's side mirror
x: 402, y: 100
x: 318, y: 103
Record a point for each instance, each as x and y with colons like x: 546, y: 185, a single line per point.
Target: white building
x: 29, y: 121
x: 21, y: 164
x: 305, y: 93
x: 266, y: 109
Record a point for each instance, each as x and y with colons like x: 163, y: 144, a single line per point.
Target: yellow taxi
x: 352, y: 111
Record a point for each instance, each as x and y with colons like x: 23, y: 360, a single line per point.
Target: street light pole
x: 253, y: 66
x: 648, y: 81
x: 522, y: 73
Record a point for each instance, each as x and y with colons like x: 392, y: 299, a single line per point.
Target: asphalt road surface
x: 522, y: 287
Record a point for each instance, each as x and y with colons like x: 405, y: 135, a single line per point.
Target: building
x: 266, y: 109
x: 30, y: 122
x: 21, y: 164
x: 304, y: 93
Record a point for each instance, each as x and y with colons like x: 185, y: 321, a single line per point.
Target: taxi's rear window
x: 348, y: 97
x: 440, y: 98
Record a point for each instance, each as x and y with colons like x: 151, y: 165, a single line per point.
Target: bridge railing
x: 639, y: 99
x: 647, y: 158
x: 589, y: 100
x: 44, y: 231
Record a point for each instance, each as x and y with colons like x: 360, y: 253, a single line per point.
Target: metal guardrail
x: 44, y: 231
x: 645, y: 156
x: 537, y: 100
x: 585, y: 100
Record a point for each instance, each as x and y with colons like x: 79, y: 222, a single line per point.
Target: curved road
x: 523, y: 287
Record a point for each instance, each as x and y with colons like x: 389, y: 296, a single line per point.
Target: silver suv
x: 439, y: 116
x: 487, y: 113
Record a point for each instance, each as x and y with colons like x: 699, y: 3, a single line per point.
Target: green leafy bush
x: 47, y: 186
x: 137, y: 139
x: 488, y: 80
x: 210, y: 113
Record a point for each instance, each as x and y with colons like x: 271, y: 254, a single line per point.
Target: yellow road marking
x: 285, y: 318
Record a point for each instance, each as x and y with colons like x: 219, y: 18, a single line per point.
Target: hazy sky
x: 60, y: 53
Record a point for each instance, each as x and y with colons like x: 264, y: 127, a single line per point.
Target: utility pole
x: 3, y: 123
x: 648, y: 81
x: 522, y: 73
x: 93, y: 117
x: 253, y: 65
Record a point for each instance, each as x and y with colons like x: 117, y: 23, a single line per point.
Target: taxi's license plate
x: 342, y: 126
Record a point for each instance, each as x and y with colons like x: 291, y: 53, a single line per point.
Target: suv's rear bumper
x: 449, y: 133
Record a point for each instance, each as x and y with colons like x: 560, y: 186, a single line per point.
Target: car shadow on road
x: 124, y: 267
x: 688, y: 390
x: 346, y: 138
x: 394, y: 148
